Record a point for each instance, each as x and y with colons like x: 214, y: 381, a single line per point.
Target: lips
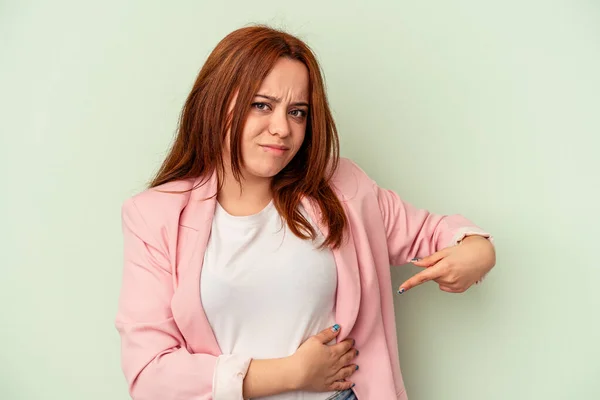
x: 275, y: 147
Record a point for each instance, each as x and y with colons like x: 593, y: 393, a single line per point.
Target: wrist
x: 485, y: 250
x: 293, y: 377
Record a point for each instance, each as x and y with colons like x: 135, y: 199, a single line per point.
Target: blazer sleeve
x: 154, y: 358
x: 416, y: 233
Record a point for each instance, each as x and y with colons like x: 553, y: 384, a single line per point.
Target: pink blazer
x: 168, y: 348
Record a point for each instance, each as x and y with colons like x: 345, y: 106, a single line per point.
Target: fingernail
x: 357, y: 367
x: 357, y: 356
x: 335, y: 328
x: 415, y: 259
x: 354, y: 384
x: 401, y: 291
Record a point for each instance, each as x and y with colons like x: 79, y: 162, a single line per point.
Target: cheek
x: 251, y: 133
x: 299, y: 139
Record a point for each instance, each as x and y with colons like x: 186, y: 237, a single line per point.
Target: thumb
x: 327, y: 335
x: 429, y: 260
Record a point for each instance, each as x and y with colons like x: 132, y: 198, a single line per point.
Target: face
x: 276, y: 123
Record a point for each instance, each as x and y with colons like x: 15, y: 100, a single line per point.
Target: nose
x: 279, y: 124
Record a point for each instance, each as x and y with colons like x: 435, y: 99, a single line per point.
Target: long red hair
x: 238, y: 64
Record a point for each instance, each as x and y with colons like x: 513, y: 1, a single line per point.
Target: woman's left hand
x: 455, y: 268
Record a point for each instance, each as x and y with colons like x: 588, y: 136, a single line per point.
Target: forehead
x: 287, y: 78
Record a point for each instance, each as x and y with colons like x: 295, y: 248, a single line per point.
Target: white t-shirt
x: 264, y: 290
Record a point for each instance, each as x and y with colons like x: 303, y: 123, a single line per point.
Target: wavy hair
x: 238, y: 65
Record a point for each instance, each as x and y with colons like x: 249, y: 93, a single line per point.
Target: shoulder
x: 158, y: 206
x: 351, y: 181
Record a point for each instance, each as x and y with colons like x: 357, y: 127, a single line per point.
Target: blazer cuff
x: 228, y: 379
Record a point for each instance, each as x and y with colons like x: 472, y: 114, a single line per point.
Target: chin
x: 265, y: 174
x: 265, y: 171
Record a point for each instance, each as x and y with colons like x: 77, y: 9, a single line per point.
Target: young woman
x: 257, y: 263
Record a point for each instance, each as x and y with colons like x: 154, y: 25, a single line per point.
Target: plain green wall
x: 486, y: 108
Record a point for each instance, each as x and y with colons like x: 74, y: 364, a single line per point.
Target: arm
x: 269, y: 377
x: 416, y: 233
x: 154, y: 358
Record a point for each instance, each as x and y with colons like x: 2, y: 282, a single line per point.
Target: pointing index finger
x: 420, y: 278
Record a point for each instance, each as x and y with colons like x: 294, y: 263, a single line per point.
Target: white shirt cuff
x: 228, y: 378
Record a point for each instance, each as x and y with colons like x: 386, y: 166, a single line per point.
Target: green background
x: 490, y: 109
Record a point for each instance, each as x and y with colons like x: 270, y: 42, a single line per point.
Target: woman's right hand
x: 321, y: 367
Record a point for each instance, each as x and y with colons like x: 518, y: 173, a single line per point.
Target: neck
x: 245, y: 198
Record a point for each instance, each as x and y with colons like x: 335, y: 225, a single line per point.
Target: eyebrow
x: 277, y: 100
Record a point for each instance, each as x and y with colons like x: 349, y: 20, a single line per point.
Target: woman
x: 257, y: 263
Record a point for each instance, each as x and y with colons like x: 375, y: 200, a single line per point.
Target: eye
x: 261, y: 106
x: 298, y: 113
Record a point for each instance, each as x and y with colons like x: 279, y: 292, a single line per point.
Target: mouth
x: 274, y: 148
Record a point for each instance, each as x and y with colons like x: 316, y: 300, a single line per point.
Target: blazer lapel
x: 186, y: 303
x: 348, y: 285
